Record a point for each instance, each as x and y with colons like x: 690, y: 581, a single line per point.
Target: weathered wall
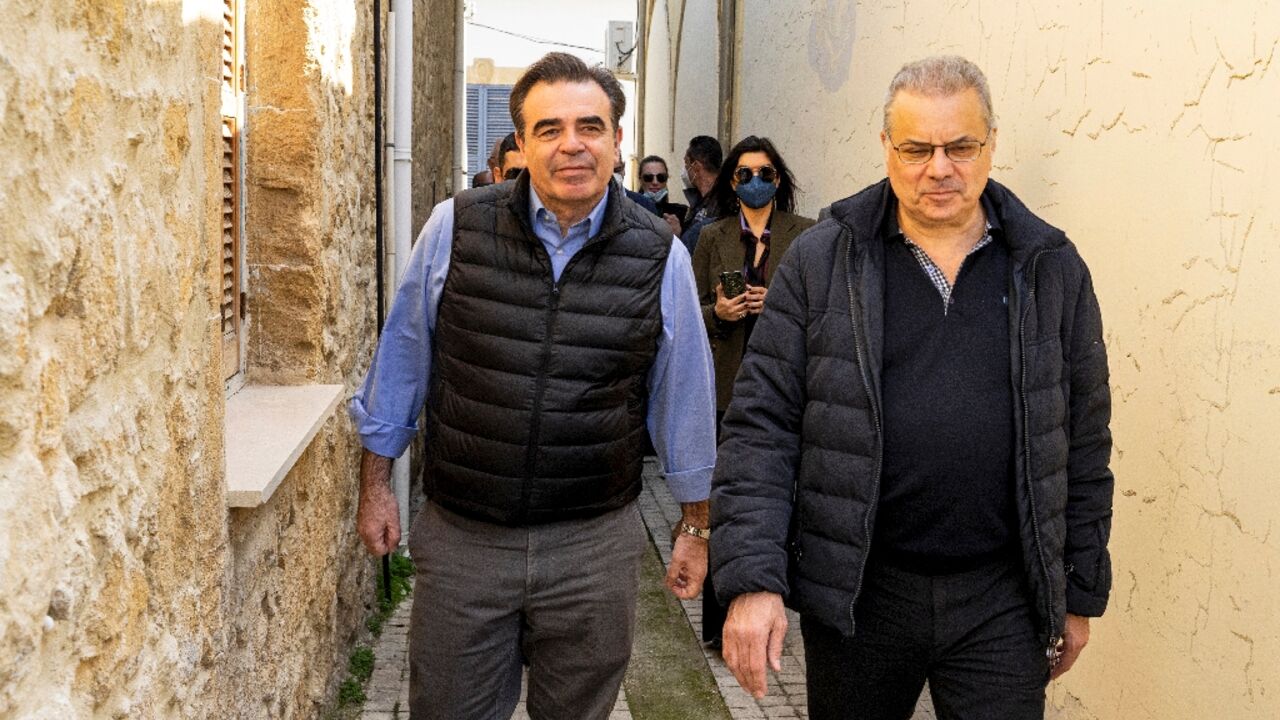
x: 683, y: 54
x: 127, y: 589
x: 657, y: 78
x: 433, y: 94
x: 1147, y: 132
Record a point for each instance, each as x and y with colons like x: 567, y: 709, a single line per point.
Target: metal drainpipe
x: 402, y: 189
x: 459, y: 98
x: 642, y: 52
x: 377, y: 163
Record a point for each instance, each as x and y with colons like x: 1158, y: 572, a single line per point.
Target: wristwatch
x: 687, y: 529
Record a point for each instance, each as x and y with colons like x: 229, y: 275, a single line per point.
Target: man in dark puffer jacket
x: 916, y: 456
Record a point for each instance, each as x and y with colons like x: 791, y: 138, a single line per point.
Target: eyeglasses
x: 921, y: 153
x: 744, y: 174
x: 512, y: 174
x: 651, y: 177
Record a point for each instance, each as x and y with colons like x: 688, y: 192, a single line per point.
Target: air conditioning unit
x: 620, y: 47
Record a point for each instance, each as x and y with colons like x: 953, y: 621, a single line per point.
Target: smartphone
x: 733, y: 284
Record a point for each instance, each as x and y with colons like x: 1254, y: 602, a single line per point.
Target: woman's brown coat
x: 720, y: 249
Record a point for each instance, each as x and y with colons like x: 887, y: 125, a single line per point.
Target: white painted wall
x: 697, y: 76
x: 658, y: 73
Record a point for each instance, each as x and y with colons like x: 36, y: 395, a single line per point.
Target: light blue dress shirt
x: 681, y: 417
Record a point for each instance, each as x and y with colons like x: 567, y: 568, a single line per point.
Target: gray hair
x: 941, y: 75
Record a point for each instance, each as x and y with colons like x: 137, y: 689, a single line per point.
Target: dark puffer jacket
x: 536, y: 411
x: 797, y: 478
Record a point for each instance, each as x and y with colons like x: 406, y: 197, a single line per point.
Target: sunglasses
x: 512, y: 174
x: 744, y: 174
x: 650, y: 177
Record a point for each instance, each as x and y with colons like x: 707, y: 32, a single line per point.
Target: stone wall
x: 433, y: 93
x: 1147, y: 131
x: 127, y: 588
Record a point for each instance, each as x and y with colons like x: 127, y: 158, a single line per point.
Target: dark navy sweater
x: 946, y: 500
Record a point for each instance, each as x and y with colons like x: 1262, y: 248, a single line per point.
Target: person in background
x: 653, y: 185
x: 917, y: 453
x: 757, y: 191
x: 510, y: 159
x: 482, y: 178
x: 545, y: 322
x: 495, y: 159
x: 701, y: 167
x: 620, y: 174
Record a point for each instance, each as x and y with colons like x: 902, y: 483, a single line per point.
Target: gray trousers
x: 559, y: 596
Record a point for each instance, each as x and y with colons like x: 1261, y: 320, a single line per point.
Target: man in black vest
x: 546, y: 323
x: 916, y: 456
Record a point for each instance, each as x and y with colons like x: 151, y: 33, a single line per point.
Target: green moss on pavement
x: 668, y: 678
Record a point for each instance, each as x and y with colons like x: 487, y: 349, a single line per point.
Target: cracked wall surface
x: 127, y: 587
x: 1148, y: 132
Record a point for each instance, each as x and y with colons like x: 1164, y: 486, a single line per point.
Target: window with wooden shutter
x: 231, y: 251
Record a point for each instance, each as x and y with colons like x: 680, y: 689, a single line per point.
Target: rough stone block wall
x: 1147, y: 132
x: 127, y: 588
x: 434, y: 82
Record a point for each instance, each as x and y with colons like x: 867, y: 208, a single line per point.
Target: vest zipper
x: 1026, y: 448
x: 875, y: 418
x: 539, y: 393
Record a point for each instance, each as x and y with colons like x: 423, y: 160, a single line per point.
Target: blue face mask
x: 757, y: 193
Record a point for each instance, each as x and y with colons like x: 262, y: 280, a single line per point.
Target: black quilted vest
x: 536, y: 409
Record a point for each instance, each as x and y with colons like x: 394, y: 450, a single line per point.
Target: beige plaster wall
x: 127, y: 588
x: 1148, y: 132
x: 691, y: 101
x: 658, y: 76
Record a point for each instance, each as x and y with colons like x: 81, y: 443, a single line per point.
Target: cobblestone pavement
x: 388, y: 689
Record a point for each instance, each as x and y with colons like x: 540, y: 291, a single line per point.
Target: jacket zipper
x: 1026, y: 442
x: 540, y: 390
x: 875, y: 418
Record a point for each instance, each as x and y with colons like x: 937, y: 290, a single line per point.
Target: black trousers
x: 971, y: 635
x: 713, y: 613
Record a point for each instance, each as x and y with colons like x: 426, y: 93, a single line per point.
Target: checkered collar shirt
x: 936, y: 276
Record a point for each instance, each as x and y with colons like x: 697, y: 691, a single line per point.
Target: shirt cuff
x: 690, y: 485
x: 377, y: 436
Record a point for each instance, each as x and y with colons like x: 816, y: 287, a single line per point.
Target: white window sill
x: 267, y: 429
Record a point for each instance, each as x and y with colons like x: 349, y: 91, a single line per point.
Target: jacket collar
x: 520, y: 204
x: 873, y: 208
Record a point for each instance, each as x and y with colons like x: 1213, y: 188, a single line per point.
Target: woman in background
x: 756, y: 191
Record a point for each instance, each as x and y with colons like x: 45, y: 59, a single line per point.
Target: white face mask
x: 620, y: 178
x: 658, y: 196
x: 684, y: 177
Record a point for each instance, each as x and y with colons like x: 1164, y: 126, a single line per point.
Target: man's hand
x: 1074, y: 637
x: 378, y: 515
x: 673, y: 222
x: 753, y: 632
x: 688, y: 566
x: 755, y: 298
